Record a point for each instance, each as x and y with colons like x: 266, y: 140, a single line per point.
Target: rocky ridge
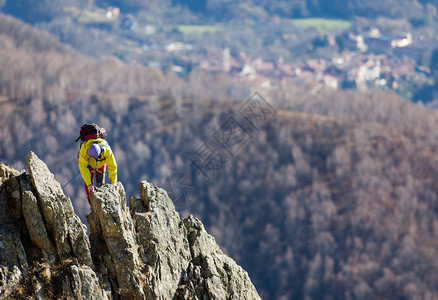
x: 140, y: 251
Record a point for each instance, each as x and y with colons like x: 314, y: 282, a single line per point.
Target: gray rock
x: 114, y: 224
x: 14, y: 200
x: 6, y: 172
x: 13, y: 259
x: 212, y: 274
x: 161, y: 236
x: 34, y: 222
x: 144, y: 251
x: 69, y: 233
x: 85, y: 284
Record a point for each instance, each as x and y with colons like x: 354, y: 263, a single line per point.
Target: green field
x: 88, y: 17
x: 323, y: 26
x: 196, y: 29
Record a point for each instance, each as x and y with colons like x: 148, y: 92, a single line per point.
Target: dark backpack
x: 91, y: 131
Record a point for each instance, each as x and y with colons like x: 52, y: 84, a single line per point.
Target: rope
x: 71, y: 180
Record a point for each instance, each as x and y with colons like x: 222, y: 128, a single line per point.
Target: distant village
x: 370, y: 59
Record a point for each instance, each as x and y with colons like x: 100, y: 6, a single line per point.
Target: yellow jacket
x: 106, y: 157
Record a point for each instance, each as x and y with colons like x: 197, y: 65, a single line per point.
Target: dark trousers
x: 97, y: 177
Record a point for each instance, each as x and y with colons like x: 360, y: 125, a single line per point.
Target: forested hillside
x: 305, y: 8
x: 48, y: 92
x: 333, y: 197
x: 43, y: 11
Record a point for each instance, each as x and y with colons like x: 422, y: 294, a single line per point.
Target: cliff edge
x: 141, y: 251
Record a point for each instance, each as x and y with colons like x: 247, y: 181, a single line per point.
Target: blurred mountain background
x: 301, y: 133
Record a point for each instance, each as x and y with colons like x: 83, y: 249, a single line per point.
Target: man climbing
x: 94, y: 156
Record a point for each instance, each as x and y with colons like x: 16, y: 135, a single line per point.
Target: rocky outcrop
x: 162, y: 240
x: 141, y: 251
x: 69, y: 234
x: 113, y: 238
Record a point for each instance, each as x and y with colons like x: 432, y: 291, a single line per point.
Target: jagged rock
x: 34, y: 222
x: 33, y: 236
x: 6, y: 172
x: 144, y: 251
x: 10, y: 193
x: 13, y: 260
x: 85, y: 284
x: 163, y: 241
x: 115, y: 226
x: 184, y: 261
x: 33, y: 217
x: 212, y: 273
x: 70, y: 234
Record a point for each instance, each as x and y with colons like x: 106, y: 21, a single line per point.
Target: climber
x: 94, y: 156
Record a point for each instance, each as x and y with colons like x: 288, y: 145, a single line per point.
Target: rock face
x: 144, y: 251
